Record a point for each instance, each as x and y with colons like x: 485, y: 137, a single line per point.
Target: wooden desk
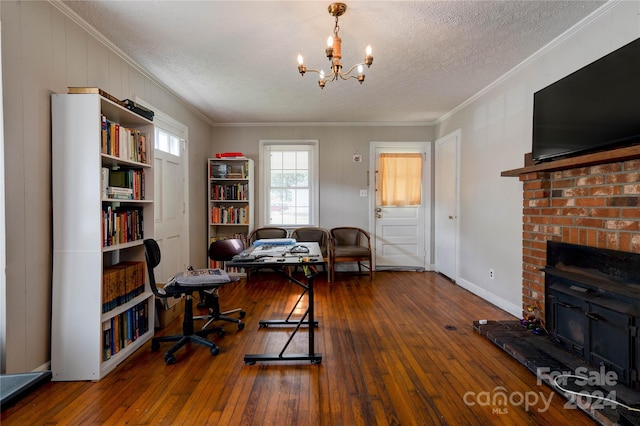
x: 282, y: 259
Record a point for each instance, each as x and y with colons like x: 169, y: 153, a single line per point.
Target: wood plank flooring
x: 396, y: 351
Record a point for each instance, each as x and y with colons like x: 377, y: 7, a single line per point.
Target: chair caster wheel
x: 221, y: 333
x: 242, y: 314
x: 240, y: 325
x: 316, y: 361
x: 155, y: 346
x: 215, y: 350
x: 169, y: 359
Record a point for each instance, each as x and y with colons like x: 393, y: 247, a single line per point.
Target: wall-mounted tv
x: 592, y: 109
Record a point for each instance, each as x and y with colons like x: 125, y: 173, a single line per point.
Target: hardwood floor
x: 396, y: 351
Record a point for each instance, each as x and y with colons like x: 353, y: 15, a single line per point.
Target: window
x: 290, y: 183
x: 400, y: 179
x: 167, y: 142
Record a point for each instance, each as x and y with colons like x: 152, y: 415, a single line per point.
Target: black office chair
x: 176, y: 289
x: 223, y: 251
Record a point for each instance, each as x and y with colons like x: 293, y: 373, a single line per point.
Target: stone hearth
x: 544, y: 358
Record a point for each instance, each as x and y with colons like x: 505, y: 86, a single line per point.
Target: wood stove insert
x: 593, y: 306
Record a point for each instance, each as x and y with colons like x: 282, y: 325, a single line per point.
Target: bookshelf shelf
x: 230, y: 193
x: 103, y: 307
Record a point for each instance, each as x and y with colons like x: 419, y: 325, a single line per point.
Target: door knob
x: 378, y: 209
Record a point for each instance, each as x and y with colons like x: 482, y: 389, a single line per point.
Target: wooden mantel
x: 610, y: 156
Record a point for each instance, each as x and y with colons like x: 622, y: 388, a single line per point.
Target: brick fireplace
x: 596, y: 205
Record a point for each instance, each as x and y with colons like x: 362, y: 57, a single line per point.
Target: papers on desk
x: 268, y: 253
x: 274, y: 242
x: 271, y: 250
x: 202, y: 277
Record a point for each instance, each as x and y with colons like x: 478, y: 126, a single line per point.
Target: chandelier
x: 334, y: 53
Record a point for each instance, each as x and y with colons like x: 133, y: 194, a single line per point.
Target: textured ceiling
x: 235, y: 61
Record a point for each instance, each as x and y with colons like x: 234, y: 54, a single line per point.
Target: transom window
x: 290, y: 183
x: 167, y: 142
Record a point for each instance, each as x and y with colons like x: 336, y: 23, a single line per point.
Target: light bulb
x: 300, y: 60
x: 330, y: 42
x: 321, y: 74
x: 368, y: 50
x: 360, y: 69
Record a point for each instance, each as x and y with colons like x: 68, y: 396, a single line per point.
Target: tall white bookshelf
x: 230, y: 189
x: 95, y: 232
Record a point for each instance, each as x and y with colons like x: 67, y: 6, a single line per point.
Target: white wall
x: 44, y: 52
x: 496, y: 133
x: 340, y: 178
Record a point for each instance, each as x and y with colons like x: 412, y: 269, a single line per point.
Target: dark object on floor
x: 15, y: 386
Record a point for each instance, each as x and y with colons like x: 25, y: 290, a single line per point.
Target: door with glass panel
x: 401, y: 205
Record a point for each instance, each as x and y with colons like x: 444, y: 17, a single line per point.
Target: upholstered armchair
x: 350, y: 244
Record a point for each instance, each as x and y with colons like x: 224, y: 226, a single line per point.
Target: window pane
x: 288, y: 160
x: 303, y: 159
x: 302, y: 178
x: 276, y: 160
x: 174, y: 147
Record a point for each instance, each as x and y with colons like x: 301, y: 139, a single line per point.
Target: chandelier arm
x: 312, y: 70
x: 353, y: 67
x: 327, y: 77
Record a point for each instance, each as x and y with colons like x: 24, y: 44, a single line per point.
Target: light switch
x: 364, y: 193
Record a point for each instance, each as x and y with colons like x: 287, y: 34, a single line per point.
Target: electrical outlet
x: 491, y: 274
x: 364, y: 193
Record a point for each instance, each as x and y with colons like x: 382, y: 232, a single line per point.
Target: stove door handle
x: 594, y: 316
x: 566, y: 305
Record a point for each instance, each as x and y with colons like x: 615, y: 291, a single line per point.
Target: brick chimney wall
x: 596, y: 206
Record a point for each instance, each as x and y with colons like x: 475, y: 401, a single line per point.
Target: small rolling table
x: 282, y: 258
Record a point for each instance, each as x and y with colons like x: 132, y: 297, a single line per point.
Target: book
x: 105, y: 181
x: 95, y: 90
x: 119, y: 190
x: 139, y: 109
x: 230, y: 155
x: 106, y: 346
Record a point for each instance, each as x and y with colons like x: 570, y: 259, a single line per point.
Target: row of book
x: 229, y: 215
x: 121, y: 283
x: 123, y: 142
x: 123, y: 184
x: 121, y: 225
x: 222, y: 265
x: 124, y: 329
x: 235, y: 192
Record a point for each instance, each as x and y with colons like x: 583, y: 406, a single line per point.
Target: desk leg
x: 288, y: 321
x: 315, y: 358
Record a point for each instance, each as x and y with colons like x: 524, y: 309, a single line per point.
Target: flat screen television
x: 592, y: 109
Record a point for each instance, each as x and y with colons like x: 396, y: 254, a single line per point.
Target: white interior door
x: 400, y: 235
x: 170, y: 209
x: 446, y: 204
